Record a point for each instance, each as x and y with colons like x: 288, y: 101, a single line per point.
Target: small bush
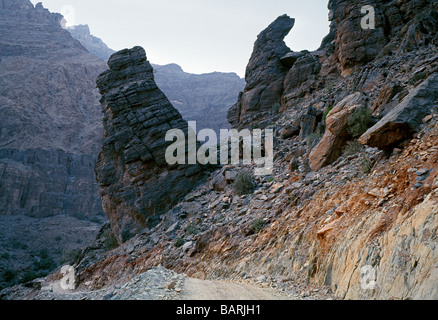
x: 9, y: 275
x: 366, y: 165
x: 178, y: 242
x: 258, y: 226
x: 352, y: 148
x: 45, y: 261
x: 191, y: 229
x: 417, y: 77
x: 276, y: 109
x: 110, y: 241
x: 244, y: 183
x: 270, y: 179
x: 311, y: 139
x: 30, y: 276
x: 255, y: 125
x: 359, y: 122
x: 5, y: 256
x: 71, y: 257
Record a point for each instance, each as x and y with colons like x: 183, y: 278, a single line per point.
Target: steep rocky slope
x: 359, y: 220
x: 51, y: 118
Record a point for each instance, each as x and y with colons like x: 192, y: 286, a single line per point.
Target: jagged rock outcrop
x: 93, y: 44
x: 264, y: 75
x: 137, y: 184
x: 50, y: 124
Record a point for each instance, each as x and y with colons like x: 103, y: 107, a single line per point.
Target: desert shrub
x: 71, y: 257
x: 312, y: 139
x: 276, y: 108
x: 9, y: 275
x: 44, y: 262
x: 178, y: 242
x: 110, y: 241
x: 254, y: 125
x: 366, y: 165
x: 417, y: 77
x: 244, y: 183
x: 191, y: 229
x: 16, y: 244
x: 31, y: 275
x: 270, y: 179
x: 258, y: 226
x: 352, y: 147
x: 359, y: 122
x: 5, y: 256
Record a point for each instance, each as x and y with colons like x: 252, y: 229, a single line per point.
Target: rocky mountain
x: 351, y: 208
x: 51, y: 123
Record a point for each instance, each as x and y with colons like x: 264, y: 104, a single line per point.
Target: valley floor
x: 162, y: 284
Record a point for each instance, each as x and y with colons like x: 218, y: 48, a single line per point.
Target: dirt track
x: 195, y: 289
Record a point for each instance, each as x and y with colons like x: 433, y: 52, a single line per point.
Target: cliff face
x: 137, y: 184
x: 51, y: 122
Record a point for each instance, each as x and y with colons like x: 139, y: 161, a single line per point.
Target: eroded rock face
x: 136, y: 181
x: 265, y: 73
x: 400, y: 26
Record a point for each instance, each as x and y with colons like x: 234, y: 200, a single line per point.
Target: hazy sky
x: 200, y: 35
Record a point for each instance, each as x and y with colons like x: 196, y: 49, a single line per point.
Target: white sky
x: 200, y: 35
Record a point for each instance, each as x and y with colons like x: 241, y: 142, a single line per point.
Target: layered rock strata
x: 137, y: 184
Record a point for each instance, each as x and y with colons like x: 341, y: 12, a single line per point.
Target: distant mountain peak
x: 93, y: 44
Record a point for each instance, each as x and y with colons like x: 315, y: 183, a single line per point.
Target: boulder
x: 405, y: 119
x: 330, y: 147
